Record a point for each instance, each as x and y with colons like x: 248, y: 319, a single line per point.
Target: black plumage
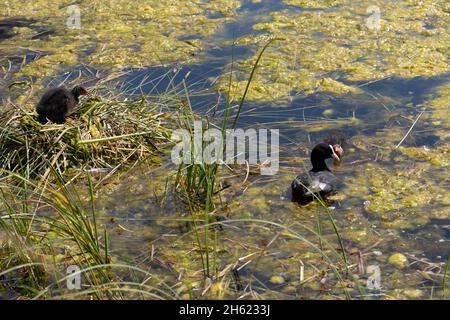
x: 56, y: 103
x: 319, y: 180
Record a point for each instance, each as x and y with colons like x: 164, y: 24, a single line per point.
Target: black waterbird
x: 319, y: 181
x: 56, y: 103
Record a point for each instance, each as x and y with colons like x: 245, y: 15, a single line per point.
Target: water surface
x: 329, y: 76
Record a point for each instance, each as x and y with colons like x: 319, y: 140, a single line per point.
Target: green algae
x: 387, y: 187
x: 404, y: 189
x: 114, y: 34
x: 314, y: 3
x: 276, y: 279
x: 438, y: 156
x: 333, y: 86
x: 413, y: 293
x: 323, y: 41
x: 399, y: 260
x: 440, y: 107
x: 400, y: 198
x: 178, y: 260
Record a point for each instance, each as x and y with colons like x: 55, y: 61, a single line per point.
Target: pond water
x: 331, y: 74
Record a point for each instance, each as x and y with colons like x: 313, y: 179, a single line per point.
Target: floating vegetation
x: 399, y: 260
x: 437, y: 156
x: 102, y: 133
x: 410, y: 39
x: 400, y: 197
x: 112, y: 34
x: 314, y: 3
x: 440, y: 106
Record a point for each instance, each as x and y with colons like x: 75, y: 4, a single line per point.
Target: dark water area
x: 6, y: 27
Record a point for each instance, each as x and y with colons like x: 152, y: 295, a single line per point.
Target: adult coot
x: 319, y: 180
x: 56, y: 103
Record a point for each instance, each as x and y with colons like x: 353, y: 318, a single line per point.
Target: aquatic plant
x: 102, y: 132
x: 198, y: 181
x: 46, y: 224
x: 40, y: 244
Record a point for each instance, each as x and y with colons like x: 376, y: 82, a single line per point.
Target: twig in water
x: 410, y: 129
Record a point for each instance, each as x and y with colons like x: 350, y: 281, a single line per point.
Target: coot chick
x: 56, y: 103
x: 319, y: 180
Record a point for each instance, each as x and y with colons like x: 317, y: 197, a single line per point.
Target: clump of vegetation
x: 313, y: 3
x: 101, y: 133
x: 438, y: 156
x: 400, y: 197
x: 38, y: 246
x: 439, y: 104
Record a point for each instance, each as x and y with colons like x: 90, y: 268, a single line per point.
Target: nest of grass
x: 100, y: 133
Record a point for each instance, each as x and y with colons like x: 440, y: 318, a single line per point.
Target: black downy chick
x: 56, y: 103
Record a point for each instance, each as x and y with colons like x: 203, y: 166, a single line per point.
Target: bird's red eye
x: 85, y: 92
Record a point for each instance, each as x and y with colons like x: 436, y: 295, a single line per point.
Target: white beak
x: 334, y: 155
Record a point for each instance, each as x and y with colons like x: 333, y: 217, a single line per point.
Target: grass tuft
x: 100, y: 133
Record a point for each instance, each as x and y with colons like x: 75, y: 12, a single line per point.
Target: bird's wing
x: 55, y: 96
x: 318, y: 186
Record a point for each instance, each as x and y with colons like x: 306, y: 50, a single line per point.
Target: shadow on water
x: 7, y: 26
